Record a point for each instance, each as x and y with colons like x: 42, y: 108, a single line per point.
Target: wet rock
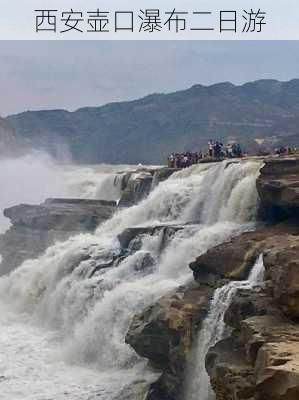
x: 62, y: 214
x: 231, y: 375
x: 164, y: 333
x: 137, y: 186
x: 36, y: 227
x: 135, y: 391
x: 259, y: 361
x: 258, y: 364
x: 163, y: 174
x: 146, y: 263
x: 135, y: 233
x: 231, y: 260
x: 248, y: 303
x: 234, y: 259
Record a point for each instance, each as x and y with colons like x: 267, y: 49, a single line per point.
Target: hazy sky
x: 66, y: 74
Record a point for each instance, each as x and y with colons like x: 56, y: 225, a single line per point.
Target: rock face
x: 136, y: 185
x: 34, y: 228
x: 164, y: 333
x: 260, y: 360
x: 233, y: 260
x: 282, y: 270
x: 278, y: 187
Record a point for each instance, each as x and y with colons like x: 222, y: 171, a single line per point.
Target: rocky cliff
x: 36, y: 227
x: 259, y: 360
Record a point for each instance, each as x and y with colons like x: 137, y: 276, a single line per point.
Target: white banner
x: 149, y: 20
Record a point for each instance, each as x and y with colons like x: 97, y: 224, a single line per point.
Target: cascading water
x: 75, y: 302
x: 213, y: 330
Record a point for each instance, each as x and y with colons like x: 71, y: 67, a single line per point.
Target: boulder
x: 247, y: 303
x: 231, y: 375
x: 234, y: 259
x: 164, y: 334
x: 36, y: 227
x: 61, y: 214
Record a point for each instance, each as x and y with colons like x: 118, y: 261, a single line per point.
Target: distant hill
x: 148, y: 129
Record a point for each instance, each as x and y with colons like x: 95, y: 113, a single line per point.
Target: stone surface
x: 36, y: 227
x: 278, y: 187
x: 233, y: 259
x: 62, y: 214
x: 260, y: 360
x: 281, y: 260
x: 164, y: 333
x: 247, y: 303
x: 261, y: 363
x: 136, y: 186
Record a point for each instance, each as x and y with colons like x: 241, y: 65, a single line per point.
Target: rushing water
x: 63, y: 319
x: 214, y: 329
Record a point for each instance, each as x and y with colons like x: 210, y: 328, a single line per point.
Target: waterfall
x: 214, y: 329
x: 86, y: 290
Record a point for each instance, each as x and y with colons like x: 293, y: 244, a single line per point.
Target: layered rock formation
x: 164, y: 333
x: 36, y: 227
x: 278, y: 187
x: 136, y: 185
x: 260, y: 359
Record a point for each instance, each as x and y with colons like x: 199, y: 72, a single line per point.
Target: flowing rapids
x: 214, y: 329
x: 64, y: 316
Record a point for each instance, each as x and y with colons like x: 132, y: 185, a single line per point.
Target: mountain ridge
x: 149, y: 128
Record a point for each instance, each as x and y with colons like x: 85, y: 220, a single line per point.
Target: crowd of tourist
x: 183, y: 160
x: 282, y: 151
x: 215, y: 150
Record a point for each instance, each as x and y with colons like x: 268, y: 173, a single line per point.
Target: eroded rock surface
x: 136, y: 185
x: 233, y: 259
x: 259, y: 361
x: 36, y: 227
x: 164, y: 333
x: 278, y: 187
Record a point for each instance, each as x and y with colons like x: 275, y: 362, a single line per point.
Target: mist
x: 30, y: 178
